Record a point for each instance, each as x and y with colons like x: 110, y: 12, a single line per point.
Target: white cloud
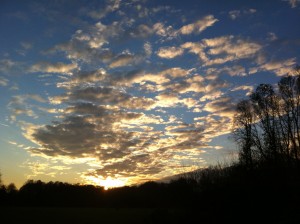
x: 26, y: 45
x: 9, y: 67
x: 248, y: 89
x: 19, y: 105
x: 148, y: 48
x: 112, y: 6
x: 3, y: 81
x: 53, y: 67
x: 293, y: 3
x: 230, y: 49
x: 279, y: 67
x: 198, y: 26
x: 234, y: 70
x: 196, y: 48
x: 234, y: 14
x: 124, y: 59
x: 222, y: 49
x: 169, y: 52
x: 272, y: 36
x: 169, y: 32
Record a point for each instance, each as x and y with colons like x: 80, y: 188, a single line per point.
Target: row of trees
x: 267, y: 125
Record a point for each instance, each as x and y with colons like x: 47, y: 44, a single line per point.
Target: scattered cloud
x: 26, y: 45
x: 247, y: 88
x: 224, y: 106
x: 124, y: 59
x: 198, y: 26
x: 232, y: 48
x: 219, y: 50
x: 112, y: 6
x: 279, y: 67
x: 272, y: 36
x: 148, y: 49
x: 9, y: 67
x: 169, y: 52
x: 234, y: 14
x: 293, y: 3
x: 53, y: 67
x: 3, y: 81
x: 19, y: 105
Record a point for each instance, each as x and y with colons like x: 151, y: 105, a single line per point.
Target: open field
x: 56, y: 215
x: 66, y: 215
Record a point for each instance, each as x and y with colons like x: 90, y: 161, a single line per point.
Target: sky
x: 119, y: 92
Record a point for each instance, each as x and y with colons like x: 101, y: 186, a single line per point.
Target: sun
x: 107, y: 182
x: 111, y: 183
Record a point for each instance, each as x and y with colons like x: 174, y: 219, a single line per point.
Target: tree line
x: 267, y: 124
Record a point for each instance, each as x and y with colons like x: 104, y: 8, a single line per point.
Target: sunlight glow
x: 107, y: 183
x: 111, y: 183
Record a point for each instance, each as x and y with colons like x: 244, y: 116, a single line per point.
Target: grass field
x: 55, y: 215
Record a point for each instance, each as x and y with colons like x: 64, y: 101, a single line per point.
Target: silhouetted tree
x: 244, y: 133
x: 289, y: 90
x: 267, y: 126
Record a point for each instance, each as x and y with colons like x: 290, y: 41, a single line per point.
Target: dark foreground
x: 236, y: 194
x: 78, y: 215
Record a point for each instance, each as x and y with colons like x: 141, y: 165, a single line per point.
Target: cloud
x: 196, y: 48
x: 19, y: 105
x: 88, y: 45
x: 125, y: 59
x: 80, y: 77
x: 230, y: 49
x: 272, y: 36
x: 53, y: 67
x: 234, y: 48
x: 38, y: 168
x: 26, y: 45
x: 97, y: 135
x: 105, y: 96
x: 198, y: 26
x: 148, y: 48
x: 224, y: 106
x: 3, y: 81
x: 279, y: 67
x: 213, y: 126
x: 112, y: 6
x: 142, y: 164
x: 216, y: 84
x: 248, y: 89
x: 168, y: 32
x: 234, y: 70
x: 167, y: 100
x: 219, y: 50
x: 169, y: 52
x: 11, y: 67
x: 234, y: 14
x: 293, y: 3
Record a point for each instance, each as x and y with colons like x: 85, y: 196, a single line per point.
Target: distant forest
x: 263, y: 183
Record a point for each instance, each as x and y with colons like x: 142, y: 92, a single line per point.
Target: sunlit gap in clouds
x: 107, y: 182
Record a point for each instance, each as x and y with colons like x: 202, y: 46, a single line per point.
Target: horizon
x: 115, y: 93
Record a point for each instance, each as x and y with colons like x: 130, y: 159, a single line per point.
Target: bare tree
x: 243, y: 120
x: 267, y: 126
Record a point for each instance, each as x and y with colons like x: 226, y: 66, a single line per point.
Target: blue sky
x: 118, y: 92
